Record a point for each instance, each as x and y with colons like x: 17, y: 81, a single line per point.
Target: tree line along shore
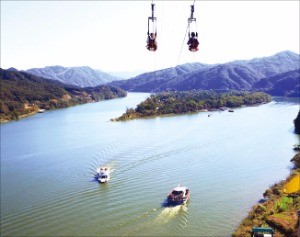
x: 23, y: 94
x: 176, y: 102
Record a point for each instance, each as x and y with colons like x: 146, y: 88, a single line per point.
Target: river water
x: 227, y: 160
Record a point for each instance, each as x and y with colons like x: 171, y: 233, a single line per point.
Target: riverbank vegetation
x: 192, y: 101
x: 297, y: 123
x: 23, y: 94
x: 278, y: 209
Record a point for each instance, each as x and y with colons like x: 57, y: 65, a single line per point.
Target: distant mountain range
x: 78, y: 76
x: 277, y: 74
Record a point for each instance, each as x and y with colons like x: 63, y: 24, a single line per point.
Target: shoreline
x: 228, y: 109
x: 185, y: 102
x: 278, y: 209
x: 2, y: 121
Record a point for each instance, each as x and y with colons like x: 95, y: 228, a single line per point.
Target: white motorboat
x: 103, y: 174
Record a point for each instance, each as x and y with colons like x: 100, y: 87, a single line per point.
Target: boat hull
x: 172, y: 202
x: 102, y: 180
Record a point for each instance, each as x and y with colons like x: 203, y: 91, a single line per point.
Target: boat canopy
x: 261, y: 230
x: 179, y: 188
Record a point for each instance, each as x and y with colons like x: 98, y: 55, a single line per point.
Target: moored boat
x: 262, y: 231
x: 103, y: 174
x: 178, y: 196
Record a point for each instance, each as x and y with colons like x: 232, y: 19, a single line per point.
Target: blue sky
x: 111, y: 35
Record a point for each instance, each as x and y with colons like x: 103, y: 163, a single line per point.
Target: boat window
x: 175, y: 192
x: 104, y: 176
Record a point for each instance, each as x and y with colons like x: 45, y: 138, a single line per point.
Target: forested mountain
x: 283, y: 84
x: 236, y: 75
x: 78, y: 76
x: 158, y: 80
x: 23, y: 93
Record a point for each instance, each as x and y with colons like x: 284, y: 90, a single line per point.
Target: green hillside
x: 23, y: 94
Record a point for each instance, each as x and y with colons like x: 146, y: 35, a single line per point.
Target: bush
x: 283, y: 204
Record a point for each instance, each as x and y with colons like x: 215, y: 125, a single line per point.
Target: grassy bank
x: 278, y: 209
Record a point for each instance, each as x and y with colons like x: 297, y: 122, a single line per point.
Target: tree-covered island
x: 167, y: 103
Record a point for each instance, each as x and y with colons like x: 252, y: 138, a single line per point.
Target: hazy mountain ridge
x: 159, y: 80
x: 79, y: 76
x: 255, y: 74
x: 236, y: 75
x: 269, y: 66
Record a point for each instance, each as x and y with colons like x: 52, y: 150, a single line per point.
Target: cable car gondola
x: 152, y: 31
x: 193, y: 34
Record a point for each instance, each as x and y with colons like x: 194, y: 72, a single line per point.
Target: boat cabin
x: 178, y: 196
x: 103, y: 174
x: 179, y: 191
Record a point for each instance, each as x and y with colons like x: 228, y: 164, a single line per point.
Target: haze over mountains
x: 126, y: 74
x: 78, y: 76
x: 277, y: 74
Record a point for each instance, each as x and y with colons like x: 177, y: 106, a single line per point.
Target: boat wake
x: 167, y: 214
x: 155, y: 220
x: 170, y: 213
